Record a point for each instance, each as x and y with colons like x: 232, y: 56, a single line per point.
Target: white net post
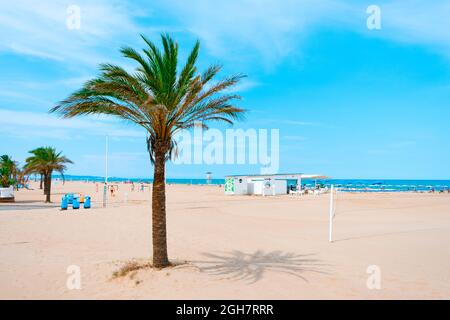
x: 330, y: 228
x: 105, y: 188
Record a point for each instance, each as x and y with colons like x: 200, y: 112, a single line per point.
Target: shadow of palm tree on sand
x: 251, y: 267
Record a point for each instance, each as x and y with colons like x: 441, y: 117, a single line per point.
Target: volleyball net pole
x: 330, y: 227
x: 105, y: 187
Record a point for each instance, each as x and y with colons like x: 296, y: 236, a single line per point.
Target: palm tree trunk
x: 44, y: 182
x: 40, y: 184
x: 47, y: 186
x: 160, y: 258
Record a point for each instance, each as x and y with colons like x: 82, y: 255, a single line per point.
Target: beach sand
x: 227, y: 247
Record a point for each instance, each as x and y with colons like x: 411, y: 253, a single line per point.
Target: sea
x: 343, y: 185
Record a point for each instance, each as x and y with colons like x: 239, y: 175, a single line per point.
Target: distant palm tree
x: 163, y: 99
x: 37, y: 172
x: 45, y: 160
x: 20, y: 177
x: 36, y: 169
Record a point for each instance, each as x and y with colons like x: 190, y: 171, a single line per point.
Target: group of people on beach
x: 141, y: 187
x: 113, y: 188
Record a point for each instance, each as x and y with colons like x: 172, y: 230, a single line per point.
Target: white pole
x: 106, y: 161
x: 105, y: 191
x: 330, y: 234
x: 299, y: 181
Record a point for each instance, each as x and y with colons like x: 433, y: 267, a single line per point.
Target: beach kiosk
x: 265, y: 184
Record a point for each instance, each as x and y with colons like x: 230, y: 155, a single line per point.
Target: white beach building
x: 265, y: 184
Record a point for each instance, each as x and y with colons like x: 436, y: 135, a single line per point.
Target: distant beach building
x: 209, y: 177
x: 266, y: 184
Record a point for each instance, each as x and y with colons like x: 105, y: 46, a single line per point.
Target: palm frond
x: 157, y: 96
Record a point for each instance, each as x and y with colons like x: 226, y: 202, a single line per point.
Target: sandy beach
x: 227, y: 247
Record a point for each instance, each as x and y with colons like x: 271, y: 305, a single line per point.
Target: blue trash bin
x: 87, y: 202
x: 69, y: 198
x: 64, y: 203
x: 76, y: 203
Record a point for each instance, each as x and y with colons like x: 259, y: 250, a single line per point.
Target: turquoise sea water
x: 346, y: 185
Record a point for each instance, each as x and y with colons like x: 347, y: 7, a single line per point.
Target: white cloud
x: 38, y: 28
x: 21, y: 49
x: 8, y: 94
x: 412, y: 22
x: 11, y: 85
x: 238, y: 30
x: 261, y: 31
x: 273, y: 30
x: 118, y: 157
x: 244, y: 85
x: 24, y: 124
x: 421, y: 22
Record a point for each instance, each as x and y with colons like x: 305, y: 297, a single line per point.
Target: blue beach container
x: 64, y: 203
x: 69, y: 198
x: 76, y: 203
x: 87, y: 202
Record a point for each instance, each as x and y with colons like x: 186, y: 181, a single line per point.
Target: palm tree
x: 45, y: 160
x: 8, y: 171
x: 163, y: 100
x: 21, y: 177
x: 36, y: 170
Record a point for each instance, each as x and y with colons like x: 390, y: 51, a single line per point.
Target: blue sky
x: 349, y: 102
